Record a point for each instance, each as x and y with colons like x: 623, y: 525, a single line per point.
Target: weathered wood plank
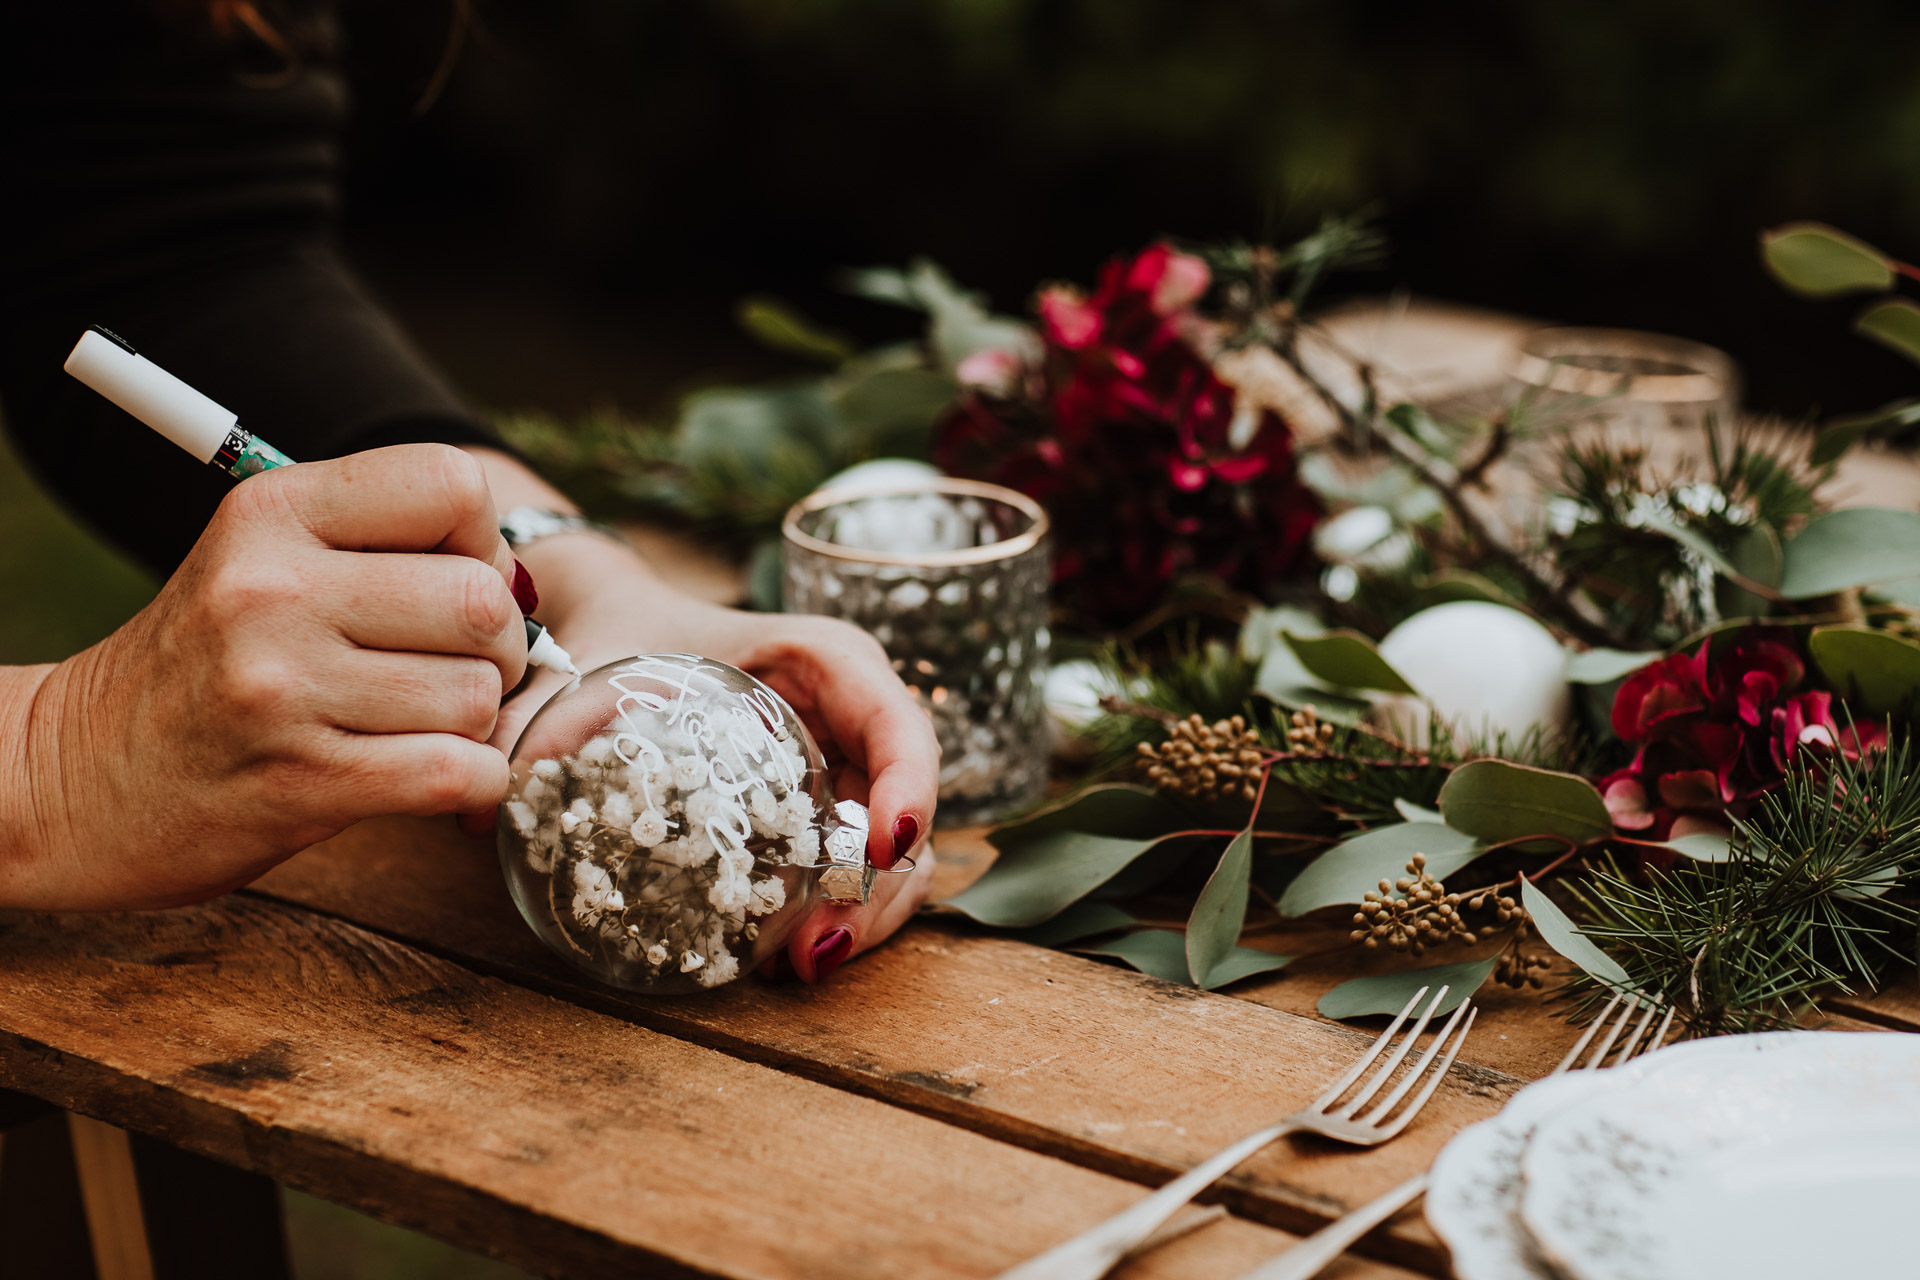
x: 354, y: 1067
x: 1896, y: 1005
x: 1108, y: 1068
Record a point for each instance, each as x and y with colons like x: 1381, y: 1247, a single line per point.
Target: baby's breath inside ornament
x: 665, y: 823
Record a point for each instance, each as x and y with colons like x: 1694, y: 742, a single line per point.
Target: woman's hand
x: 604, y: 604
x: 334, y: 648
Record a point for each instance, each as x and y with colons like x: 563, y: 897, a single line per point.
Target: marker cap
x: 191, y: 420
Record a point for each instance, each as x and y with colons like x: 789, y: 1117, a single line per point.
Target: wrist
x: 36, y: 777
x: 575, y: 571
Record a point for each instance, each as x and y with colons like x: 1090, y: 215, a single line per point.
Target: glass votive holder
x: 951, y: 577
x: 1632, y: 383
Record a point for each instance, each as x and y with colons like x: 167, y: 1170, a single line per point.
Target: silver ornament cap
x: 848, y: 879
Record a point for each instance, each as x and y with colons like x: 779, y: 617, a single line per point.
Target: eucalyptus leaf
x: 1703, y: 847
x: 1214, y: 926
x: 1285, y: 807
x: 1604, y: 666
x: 1161, y: 953
x: 1390, y: 992
x: 1158, y: 953
x: 1758, y: 556
x: 960, y: 322
x: 1102, y: 811
x: 1894, y: 323
x: 1558, y: 932
x: 1281, y: 676
x: 1852, y: 547
x: 1842, y: 434
x: 1819, y: 261
x: 783, y: 328
x: 1692, y: 539
x: 1346, y: 659
x: 1167, y: 858
x: 1344, y: 873
x: 893, y: 410
x: 1497, y: 801
x: 1874, y: 672
x: 1083, y: 919
x: 1037, y: 878
x: 1260, y: 633
x: 1414, y: 813
x: 758, y: 428
x: 1243, y: 962
x: 1462, y: 584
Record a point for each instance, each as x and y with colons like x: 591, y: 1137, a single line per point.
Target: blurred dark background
x: 573, y: 220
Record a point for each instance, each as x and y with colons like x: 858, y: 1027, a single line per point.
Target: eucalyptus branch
x: 1445, y: 481
x: 1475, y: 472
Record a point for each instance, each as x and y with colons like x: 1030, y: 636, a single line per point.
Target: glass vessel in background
x: 1634, y: 384
x: 951, y: 577
x: 665, y: 821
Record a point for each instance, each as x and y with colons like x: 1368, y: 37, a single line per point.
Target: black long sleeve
x: 180, y: 189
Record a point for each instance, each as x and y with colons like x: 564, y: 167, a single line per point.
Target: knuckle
x: 240, y: 586
x: 484, y: 607
x: 462, y: 478
x: 254, y: 689
x: 445, y: 778
x: 480, y: 698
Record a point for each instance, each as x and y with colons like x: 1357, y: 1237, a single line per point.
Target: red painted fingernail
x: 905, y: 832
x: 830, y: 952
x: 525, y: 594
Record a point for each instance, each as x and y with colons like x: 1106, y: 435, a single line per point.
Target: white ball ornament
x: 1481, y: 667
x: 881, y: 473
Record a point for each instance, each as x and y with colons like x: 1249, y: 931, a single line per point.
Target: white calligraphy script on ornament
x: 742, y: 740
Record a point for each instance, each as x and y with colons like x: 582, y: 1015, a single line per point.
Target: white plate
x: 1770, y: 1157
x: 1473, y: 1194
x: 1473, y: 1201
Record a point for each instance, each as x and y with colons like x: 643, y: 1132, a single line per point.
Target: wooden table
x: 373, y: 1024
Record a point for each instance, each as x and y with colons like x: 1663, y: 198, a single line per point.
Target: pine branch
x: 1800, y: 907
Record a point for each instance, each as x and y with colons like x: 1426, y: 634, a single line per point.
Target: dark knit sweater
x: 180, y: 189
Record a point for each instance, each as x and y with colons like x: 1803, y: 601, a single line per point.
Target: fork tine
x: 1639, y: 1029
x: 1352, y: 1073
x: 1579, y: 1046
x: 1660, y: 1035
x: 1599, y: 1057
x: 1434, y: 1078
x: 1382, y: 1110
x: 1399, y: 1055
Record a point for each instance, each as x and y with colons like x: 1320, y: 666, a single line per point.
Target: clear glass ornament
x: 666, y: 820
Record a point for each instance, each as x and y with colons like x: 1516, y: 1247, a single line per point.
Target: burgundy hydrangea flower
x: 1712, y: 732
x: 1146, y: 462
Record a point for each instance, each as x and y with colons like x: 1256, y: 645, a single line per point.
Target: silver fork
x: 1093, y: 1253
x: 1307, y: 1258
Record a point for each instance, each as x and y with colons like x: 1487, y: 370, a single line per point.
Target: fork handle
x: 1312, y: 1255
x: 1093, y: 1253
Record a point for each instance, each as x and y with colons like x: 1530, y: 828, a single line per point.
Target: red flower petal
x: 1693, y: 789
x: 1240, y: 468
x: 1188, y: 477
x: 1069, y: 322
x: 1627, y: 803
